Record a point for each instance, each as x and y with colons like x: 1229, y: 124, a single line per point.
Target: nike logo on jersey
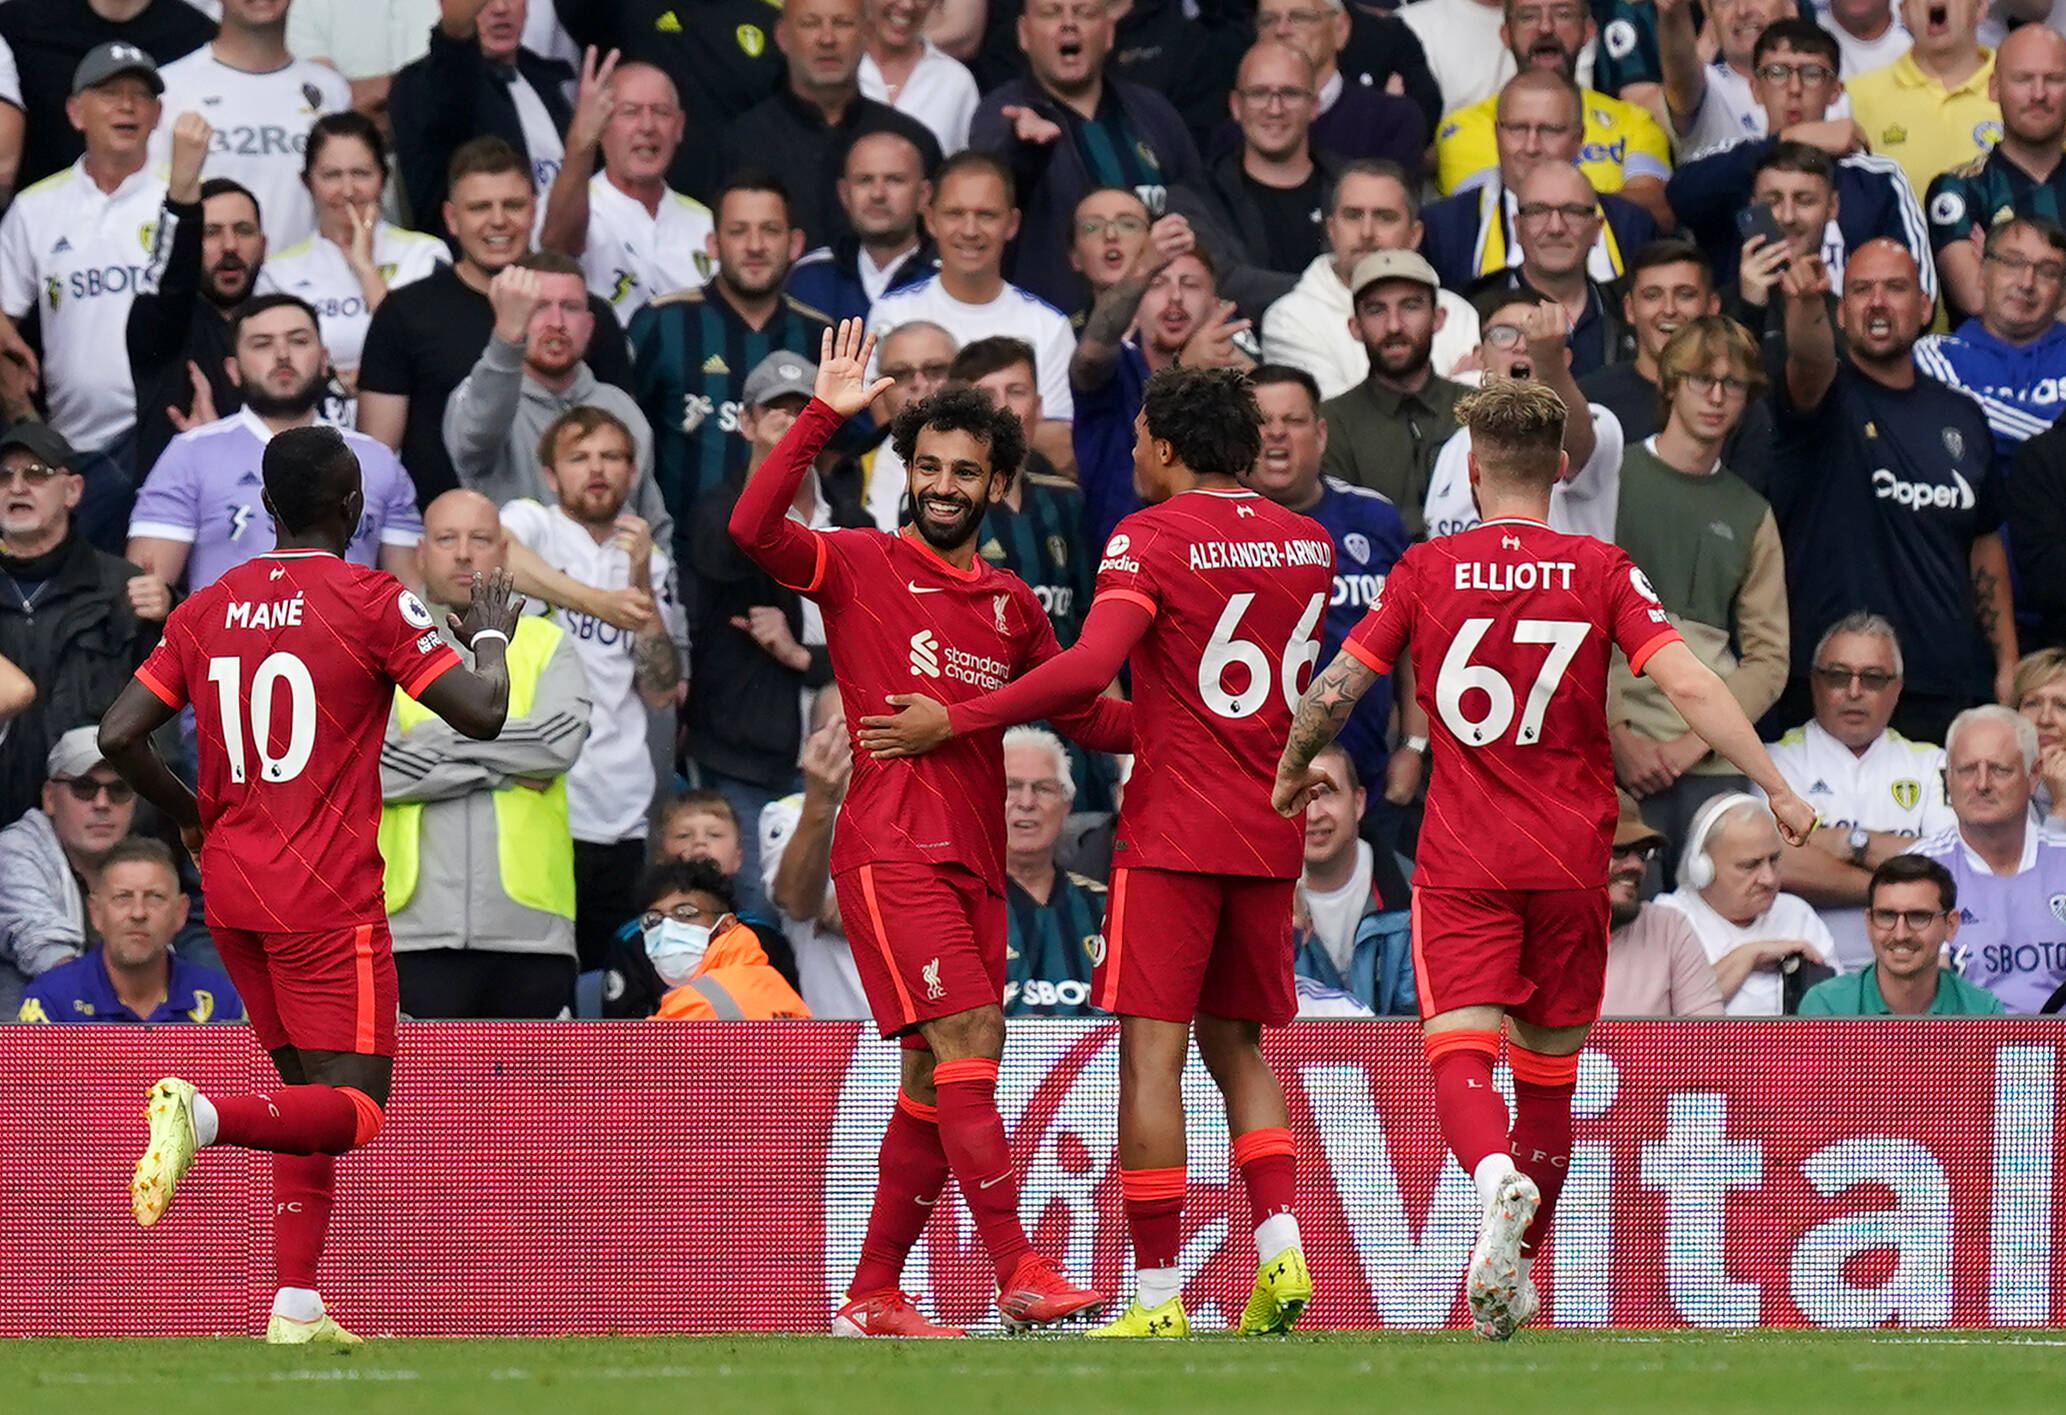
x: 988, y: 1183
x: 916, y: 588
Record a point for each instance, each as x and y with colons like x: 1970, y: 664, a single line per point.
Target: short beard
x: 284, y: 405
x: 212, y: 292
x: 1622, y: 915
x: 946, y: 538
x: 1422, y: 355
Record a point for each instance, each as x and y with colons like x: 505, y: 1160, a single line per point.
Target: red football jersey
x: 1237, y: 586
x: 291, y: 662
x: 1512, y: 627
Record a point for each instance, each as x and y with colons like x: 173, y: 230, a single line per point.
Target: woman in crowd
x: 2039, y: 693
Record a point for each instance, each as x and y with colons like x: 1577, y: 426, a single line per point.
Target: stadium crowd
x: 1796, y: 271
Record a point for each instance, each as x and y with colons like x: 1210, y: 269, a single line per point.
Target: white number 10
x: 280, y: 669
x: 1459, y: 675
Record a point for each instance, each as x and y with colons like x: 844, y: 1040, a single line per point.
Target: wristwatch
x: 1860, y: 839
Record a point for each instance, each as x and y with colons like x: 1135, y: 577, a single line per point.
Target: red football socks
x: 1269, y: 1170
x: 292, y: 1120
x: 1154, y: 1215
x: 972, y: 1135
x: 1543, y: 1088
x: 302, y: 1189
x: 1472, y: 1114
x: 911, y: 1170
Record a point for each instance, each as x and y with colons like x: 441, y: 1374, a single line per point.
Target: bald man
x: 1887, y: 494
x: 480, y: 862
x: 636, y: 237
x: 2024, y: 173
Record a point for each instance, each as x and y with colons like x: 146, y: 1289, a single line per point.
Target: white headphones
x: 1696, y: 866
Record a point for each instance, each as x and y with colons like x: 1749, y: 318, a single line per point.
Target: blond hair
x: 1696, y: 344
x: 2033, y: 671
x: 1517, y: 430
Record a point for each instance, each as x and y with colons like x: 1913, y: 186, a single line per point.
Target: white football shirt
x: 610, y: 789
x: 261, y: 124
x: 941, y: 93
x: 1581, y: 505
x: 633, y: 257
x: 78, y: 255
x: 825, y: 971
x: 318, y: 272
x: 1018, y: 313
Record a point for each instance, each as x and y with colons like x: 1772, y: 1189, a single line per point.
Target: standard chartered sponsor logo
x: 1923, y: 496
x: 925, y: 655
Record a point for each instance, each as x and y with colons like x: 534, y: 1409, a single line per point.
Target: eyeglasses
x: 1279, y: 97
x: 1704, y: 384
x: 1838, y: 678
x: 1297, y: 19
x: 2021, y: 265
x: 1572, y: 211
x: 86, y: 788
x: 1916, y: 919
x: 33, y: 473
x: 680, y: 913
x: 1541, y: 132
x: 658, y: 112
x: 1048, y: 789
x: 1502, y: 336
x: 906, y: 373
x: 1808, y: 74
x: 1646, y: 852
x: 1092, y: 227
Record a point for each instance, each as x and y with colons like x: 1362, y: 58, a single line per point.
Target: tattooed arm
x: 1111, y: 316
x: 1992, y: 606
x: 1321, y: 713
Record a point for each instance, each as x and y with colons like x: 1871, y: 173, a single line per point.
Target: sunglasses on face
x: 1646, y: 852
x: 1871, y: 680
x: 85, y: 788
x: 33, y: 473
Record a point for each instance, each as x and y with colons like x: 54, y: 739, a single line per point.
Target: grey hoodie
x: 42, y: 913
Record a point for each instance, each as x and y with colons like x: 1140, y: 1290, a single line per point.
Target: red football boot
x: 886, y: 1314
x: 1038, y: 1296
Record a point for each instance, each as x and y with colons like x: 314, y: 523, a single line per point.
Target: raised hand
x: 594, y: 101
x: 515, y: 293
x: 635, y: 538
x: 496, y: 608
x: 1211, y: 345
x: 843, y: 356
x: 1029, y: 127
x: 150, y: 598
x: 1806, y: 280
x: 202, y: 410
x: 190, y: 138
x: 828, y: 762
x: 1759, y: 269
x: 1547, y: 328
x: 359, y: 254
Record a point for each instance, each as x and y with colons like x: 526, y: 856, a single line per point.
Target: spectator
x: 132, y: 974
x: 1112, y: 230
x: 75, y: 250
x: 587, y: 535
x: 1887, y: 491
x: 902, y: 67
x: 1797, y: 91
x: 52, y: 38
x: 1055, y: 928
x: 1655, y: 964
x: 814, y: 120
x: 1932, y: 109
x: 1715, y: 103
x: 1540, y: 124
x: 51, y: 855
x: 2039, y: 693
x: 533, y: 371
x: 1797, y: 184
x: 701, y: 825
x: 1913, y: 920
x: 478, y: 81
x: 209, y: 254
x: 1764, y: 944
x: 711, y: 962
x: 259, y: 99
x: 1065, y: 128
x: 1384, y: 433
x: 1035, y: 527
x: 721, y: 65
x: 882, y: 190
x: 1524, y: 337
x: 796, y: 868
x: 747, y: 633
x: 1372, y: 208
x: 346, y: 268
x: 1868, y: 32
x: 1369, y: 537
x: 2036, y: 502
x: 1621, y: 149
x: 1709, y: 547
x: 2006, y: 867
x: 1356, y: 938
x: 1187, y: 53
x: 201, y: 511
x: 1557, y: 223
x: 2011, y: 358
x: 75, y: 621
x: 1389, y: 109
x: 1668, y: 284
x: 973, y: 216
x: 695, y: 347
x: 426, y: 336
x: 636, y: 237
x: 915, y: 357
x: 2022, y: 175
x: 367, y: 41
x: 480, y: 866
x: 1461, y: 39
x: 1257, y: 209
x: 1875, y: 791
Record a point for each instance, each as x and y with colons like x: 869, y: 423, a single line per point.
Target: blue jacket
x: 1380, y: 971
x: 1450, y: 230
x: 81, y: 991
x: 2021, y: 388
x: 828, y: 279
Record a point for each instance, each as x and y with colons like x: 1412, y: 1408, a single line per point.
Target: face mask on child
x: 675, y: 949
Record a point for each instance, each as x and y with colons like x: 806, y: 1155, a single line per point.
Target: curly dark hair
x: 1209, y: 416
x: 309, y: 474
x: 684, y: 877
x: 966, y: 410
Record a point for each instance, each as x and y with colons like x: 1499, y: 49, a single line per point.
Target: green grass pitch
x: 1658, y: 1373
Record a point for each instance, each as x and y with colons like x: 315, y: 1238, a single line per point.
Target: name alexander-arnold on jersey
x: 1260, y: 554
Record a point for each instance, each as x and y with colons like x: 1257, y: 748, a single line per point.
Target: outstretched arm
x: 1703, y: 699
x: 1321, y: 714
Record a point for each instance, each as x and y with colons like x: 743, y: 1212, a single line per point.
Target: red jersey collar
x: 1516, y: 521
x: 911, y: 537
x: 296, y: 554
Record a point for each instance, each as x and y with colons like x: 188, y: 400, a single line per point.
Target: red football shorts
x: 1539, y: 953
x: 1178, y: 944
x: 333, y: 990
x: 928, y: 941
